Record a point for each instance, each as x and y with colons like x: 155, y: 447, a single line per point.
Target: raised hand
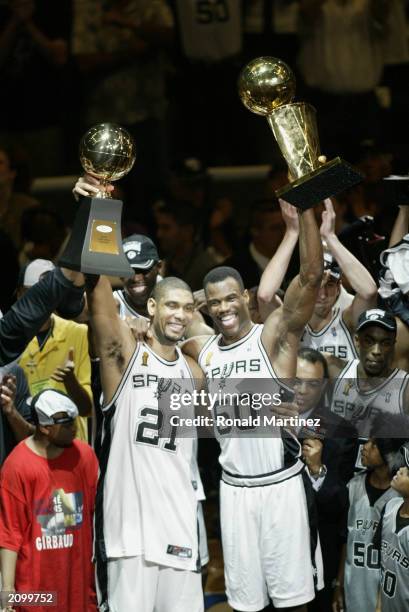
x: 328, y: 220
x: 290, y: 216
x: 88, y: 185
x: 65, y: 373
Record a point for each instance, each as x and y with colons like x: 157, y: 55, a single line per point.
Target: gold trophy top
x: 107, y: 152
x: 265, y: 84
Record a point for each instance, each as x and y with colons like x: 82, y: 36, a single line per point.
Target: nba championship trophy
x: 107, y: 152
x: 267, y: 87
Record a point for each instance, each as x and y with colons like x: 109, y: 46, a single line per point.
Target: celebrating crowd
x: 313, y: 512
x: 109, y: 503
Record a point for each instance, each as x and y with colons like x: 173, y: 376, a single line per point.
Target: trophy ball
x: 265, y: 84
x: 107, y: 151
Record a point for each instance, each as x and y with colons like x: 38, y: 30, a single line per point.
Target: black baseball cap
x: 376, y: 316
x: 140, y: 251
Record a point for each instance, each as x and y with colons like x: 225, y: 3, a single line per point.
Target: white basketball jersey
x: 361, y: 407
x: 149, y: 501
x: 362, y: 564
x: 394, y: 561
x: 210, y: 31
x: 335, y: 337
x: 125, y: 307
x: 245, y: 362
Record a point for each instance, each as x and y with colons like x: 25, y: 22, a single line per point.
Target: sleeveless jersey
x: 353, y: 404
x: 362, y: 564
x: 335, y: 337
x: 210, y: 31
x: 394, y: 561
x: 244, y: 364
x: 145, y: 493
x: 125, y: 308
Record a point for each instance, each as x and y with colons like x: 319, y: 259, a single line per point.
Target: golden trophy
x: 267, y: 87
x: 107, y: 152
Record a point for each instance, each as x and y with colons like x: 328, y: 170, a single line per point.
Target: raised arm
x: 284, y: 327
x: 357, y: 275
x: 113, y: 340
x: 59, y: 290
x: 400, y: 227
x: 273, y: 276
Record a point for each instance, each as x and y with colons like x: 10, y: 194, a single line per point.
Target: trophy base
x: 324, y: 182
x: 95, y: 245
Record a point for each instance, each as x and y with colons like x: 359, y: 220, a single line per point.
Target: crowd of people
x: 313, y: 507
x: 107, y: 488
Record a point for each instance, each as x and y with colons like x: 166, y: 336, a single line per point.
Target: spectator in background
x: 329, y: 452
x: 15, y: 416
x: 13, y: 203
x: 266, y: 231
x: 205, y: 103
x: 341, y: 62
x: 178, y: 238
x: 43, y: 232
x: 33, y: 56
x: 58, y: 356
x: 48, y: 486
x: 119, y: 48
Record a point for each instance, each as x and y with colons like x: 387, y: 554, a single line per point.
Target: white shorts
x: 203, y: 549
x: 135, y: 584
x: 266, y: 545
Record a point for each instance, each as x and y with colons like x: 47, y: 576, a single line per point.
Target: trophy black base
x: 95, y: 244
x: 328, y: 180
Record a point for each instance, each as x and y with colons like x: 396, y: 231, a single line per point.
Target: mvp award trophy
x: 267, y: 87
x: 107, y: 152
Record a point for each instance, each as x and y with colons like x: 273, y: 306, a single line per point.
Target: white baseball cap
x: 49, y: 402
x: 32, y: 273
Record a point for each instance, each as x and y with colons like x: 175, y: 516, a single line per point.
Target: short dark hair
x: 167, y: 284
x: 313, y: 356
x: 219, y: 274
x: 262, y: 208
x: 183, y: 212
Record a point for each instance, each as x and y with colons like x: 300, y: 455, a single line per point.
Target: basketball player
x: 335, y: 315
x: 266, y: 539
x: 143, y: 258
x: 146, y: 507
x: 360, y: 570
x: 395, y: 543
x: 370, y: 384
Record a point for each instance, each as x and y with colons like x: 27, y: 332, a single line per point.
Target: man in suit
x: 329, y: 452
x: 266, y: 230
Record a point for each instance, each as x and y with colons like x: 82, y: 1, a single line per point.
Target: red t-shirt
x: 46, y: 510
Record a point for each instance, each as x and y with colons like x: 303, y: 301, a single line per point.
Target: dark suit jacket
x: 248, y: 268
x: 340, y: 446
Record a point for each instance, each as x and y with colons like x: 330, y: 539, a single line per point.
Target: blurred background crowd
x: 206, y: 168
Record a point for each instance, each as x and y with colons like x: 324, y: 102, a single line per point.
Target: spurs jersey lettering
x: 243, y: 364
x: 210, y: 30
x: 125, y: 308
x: 362, y: 565
x: 335, y: 337
x: 394, y: 561
x: 145, y: 492
x: 350, y: 402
